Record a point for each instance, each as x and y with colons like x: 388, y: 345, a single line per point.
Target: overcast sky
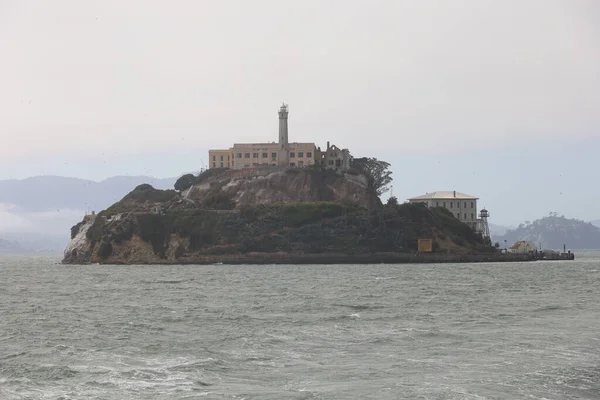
x: 94, y: 89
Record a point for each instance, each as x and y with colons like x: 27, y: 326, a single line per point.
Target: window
x: 254, y: 155
x: 221, y: 159
x: 227, y: 157
x: 444, y: 204
x: 292, y: 154
x: 300, y: 154
x: 471, y: 204
x: 292, y: 164
x: 330, y: 162
x: 221, y: 164
x: 308, y: 154
x: 247, y: 155
x: 214, y: 164
x: 472, y: 216
x: 214, y: 158
x: 338, y: 163
x: 239, y: 155
x: 465, y: 206
x: 465, y: 215
x: 273, y: 155
x: 458, y: 215
x: 437, y: 203
x: 265, y: 155
x: 451, y: 205
x: 300, y: 163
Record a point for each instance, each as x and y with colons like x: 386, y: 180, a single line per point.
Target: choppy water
x: 478, y: 331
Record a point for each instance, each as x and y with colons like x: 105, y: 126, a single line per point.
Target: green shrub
x: 154, y: 229
x: 105, y: 250
x: 95, y: 232
x: 185, y: 182
x: 297, y: 214
x: 218, y: 201
x: 145, y: 192
x: 75, y: 229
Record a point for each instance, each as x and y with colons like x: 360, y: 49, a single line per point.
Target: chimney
x: 455, y: 194
x: 328, y: 145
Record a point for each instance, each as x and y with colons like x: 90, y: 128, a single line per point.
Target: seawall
x: 375, y: 258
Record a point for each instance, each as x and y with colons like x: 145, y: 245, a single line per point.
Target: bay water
x: 439, y: 331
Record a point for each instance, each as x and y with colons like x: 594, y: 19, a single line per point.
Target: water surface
x: 453, y: 331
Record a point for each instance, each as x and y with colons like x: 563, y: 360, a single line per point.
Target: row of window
x: 214, y: 158
x: 273, y: 155
x: 437, y: 204
x: 301, y: 154
x: 472, y: 216
x: 300, y: 164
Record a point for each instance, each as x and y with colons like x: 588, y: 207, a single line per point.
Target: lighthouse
x: 284, y: 147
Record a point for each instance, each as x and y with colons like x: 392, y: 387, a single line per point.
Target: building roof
x: 443, y: 195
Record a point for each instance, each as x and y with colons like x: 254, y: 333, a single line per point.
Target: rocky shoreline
x: 375, y: 258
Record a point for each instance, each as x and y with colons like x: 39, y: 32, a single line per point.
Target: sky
x: 499, y: 99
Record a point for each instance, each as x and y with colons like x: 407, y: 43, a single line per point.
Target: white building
x: 463, y: 206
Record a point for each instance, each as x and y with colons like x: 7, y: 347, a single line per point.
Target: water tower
x: 483, y: 218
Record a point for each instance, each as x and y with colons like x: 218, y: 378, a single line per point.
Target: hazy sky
x: 94, y: 89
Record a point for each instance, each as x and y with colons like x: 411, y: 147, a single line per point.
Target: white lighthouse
x: 284, y: 146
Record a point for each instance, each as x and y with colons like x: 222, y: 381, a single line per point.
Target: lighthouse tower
x: 284, y: 147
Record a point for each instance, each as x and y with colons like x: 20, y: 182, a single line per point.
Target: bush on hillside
x: 145, y: 192
x: 185, y: 182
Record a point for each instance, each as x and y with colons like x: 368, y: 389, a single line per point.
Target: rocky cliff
x: 262, y: 214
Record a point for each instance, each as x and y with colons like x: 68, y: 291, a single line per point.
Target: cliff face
x: 280, y: 185
x: 271, y: 213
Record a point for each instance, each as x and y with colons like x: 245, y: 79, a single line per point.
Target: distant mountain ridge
x: 552, y: 232
x: 44, y: 193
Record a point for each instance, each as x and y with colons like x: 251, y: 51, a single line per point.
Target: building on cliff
x: 282, y: 152
x: 463, y: 206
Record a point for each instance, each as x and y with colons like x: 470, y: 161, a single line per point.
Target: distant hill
x: 9, y: 247
x: 44, y: 193
x: 596, y: 222
x: 499, y: 230
x: 554, y: 231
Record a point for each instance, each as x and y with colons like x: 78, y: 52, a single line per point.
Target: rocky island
x: 273, y: 214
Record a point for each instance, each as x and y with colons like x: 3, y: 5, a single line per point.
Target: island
x: 276, y: 215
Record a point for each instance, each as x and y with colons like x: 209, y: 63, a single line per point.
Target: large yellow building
x: 244, y: 155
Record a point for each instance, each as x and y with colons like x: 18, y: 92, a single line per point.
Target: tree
x: 185, y: 182
x: 392, y: 201
x: 377, y: 172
